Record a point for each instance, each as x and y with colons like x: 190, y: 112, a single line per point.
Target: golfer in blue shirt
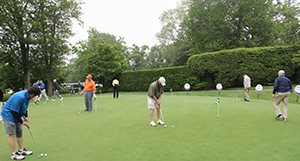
x: 13, y: 111
x: 43, y: 91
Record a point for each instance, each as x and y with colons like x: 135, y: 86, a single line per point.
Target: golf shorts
x: 12, y: 128
x: 152, y: 103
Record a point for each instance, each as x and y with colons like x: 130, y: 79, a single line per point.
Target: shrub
x: 140, y: 80
x: 261, y: 64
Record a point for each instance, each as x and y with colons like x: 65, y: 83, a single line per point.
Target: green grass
x: 120, y: 129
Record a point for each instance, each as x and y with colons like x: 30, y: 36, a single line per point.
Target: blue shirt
x: 35, y: 84
x: 43, y: 86
x: 282, y: 85
x: 18, y: 102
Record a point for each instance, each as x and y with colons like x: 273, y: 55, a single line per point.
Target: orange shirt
x: 89, y: 85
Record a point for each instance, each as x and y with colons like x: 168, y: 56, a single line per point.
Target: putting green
x: 120, y: 130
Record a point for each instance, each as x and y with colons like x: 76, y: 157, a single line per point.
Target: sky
x: 136, y: 20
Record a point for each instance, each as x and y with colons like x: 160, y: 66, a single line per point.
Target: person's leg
x: 54, y: 94
x: 91, y: 101
x: 277, y: 100
x: 114, y: 87
x: 86, y: 101
x: 158, y: 113
x: 20, y: 143
x: 151, y: 107
x: 151, y: 114
x: 19, y: 135
x: 39, y: 97
x: 285, y: 101
x: 246, y: 97
x: 12, y: 142
x: 117, y: 91
x: 45, y: 95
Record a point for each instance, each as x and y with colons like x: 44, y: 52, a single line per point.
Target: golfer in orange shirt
x: 89, y: 92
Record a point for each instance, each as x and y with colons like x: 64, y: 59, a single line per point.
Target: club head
x: 39, y: 156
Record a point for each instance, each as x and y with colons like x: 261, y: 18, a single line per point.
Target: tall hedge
x: 261, y: 64
x: 176, y: 77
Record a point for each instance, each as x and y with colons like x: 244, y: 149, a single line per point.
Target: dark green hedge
x: 176, y: 77
x: 261, y: 64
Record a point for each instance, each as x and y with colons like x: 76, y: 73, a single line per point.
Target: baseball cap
x: 281, y: 72
x: 89, y: 76
x: 244, y: 74
x: 162, y: 81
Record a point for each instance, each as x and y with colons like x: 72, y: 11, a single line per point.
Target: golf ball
x: 208, y: 105
x: 45, y: 155
x: 172, y: 126
x: 79, y: 107
x: 165, y: 126
x: 78, y: 113
x: 41, y: 154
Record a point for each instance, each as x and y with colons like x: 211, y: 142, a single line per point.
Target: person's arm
x: 17, y: 116
x: 156, y: 100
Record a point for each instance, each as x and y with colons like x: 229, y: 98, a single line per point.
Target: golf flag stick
x: 218, y: 102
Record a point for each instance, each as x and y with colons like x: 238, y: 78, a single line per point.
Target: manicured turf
x: 120, y: 130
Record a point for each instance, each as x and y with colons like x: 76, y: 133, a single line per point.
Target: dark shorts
x: 12, y: 128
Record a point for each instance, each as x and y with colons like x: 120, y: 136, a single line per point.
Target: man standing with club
x: 43, y: 91
x: 14, y: 109
x: 247, y: 85
x: 90, y: 90
x: 115, y: 85
x: 283, y: 87
x: 154, y: 95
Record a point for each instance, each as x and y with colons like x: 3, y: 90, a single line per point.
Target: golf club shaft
x: 32, y: 137
x: 34, y: 140
x: 162, y: 116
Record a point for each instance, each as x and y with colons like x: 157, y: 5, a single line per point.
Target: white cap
x: 281, y: 72
x: 162, y: 81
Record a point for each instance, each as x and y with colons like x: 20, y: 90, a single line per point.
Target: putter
x: 162, y: 116
x: 34, y: 141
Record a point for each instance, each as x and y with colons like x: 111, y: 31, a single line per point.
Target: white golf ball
x: 208, y: 105
x: 41, y: 154
x: 78, y: 113
x: 79, y: 107
x: 172, y: 126
x: 165, y: 126
x: 45, y: 155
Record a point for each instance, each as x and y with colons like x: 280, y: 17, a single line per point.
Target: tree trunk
x: 49, y: 87
x: 26, y: 78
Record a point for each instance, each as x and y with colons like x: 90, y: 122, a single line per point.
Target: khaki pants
x: 43, y: 93
x: 284, y: 98
x: 246, y: 96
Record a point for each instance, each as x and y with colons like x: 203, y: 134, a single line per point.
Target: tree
x: 172, y: 36
x: 226, y: 24
x: 94, y: 56
x: 34, y: 35
x: 286, y: 17
x: 136, y: 57
x: 154, y: 58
